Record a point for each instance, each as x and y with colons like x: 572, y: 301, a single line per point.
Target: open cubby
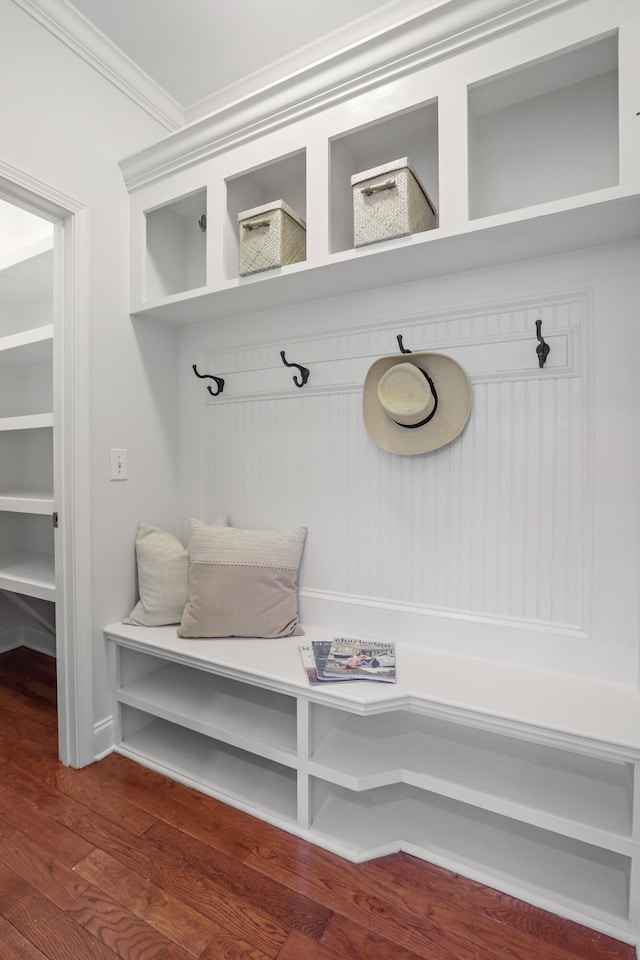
x: 208, y: 764
x: 176, y: 246
x: 412, y: 134
x: 468, y: 761
x: 544, y: 131
x: 237, y: 713
x: 281, y: 179
x: 514, y: 854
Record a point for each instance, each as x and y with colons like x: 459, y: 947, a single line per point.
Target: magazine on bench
x: 348, y: 659
x: 310, y: 659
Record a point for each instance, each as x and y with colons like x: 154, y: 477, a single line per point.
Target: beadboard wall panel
x: 484, y: 547
x: 487, y: 525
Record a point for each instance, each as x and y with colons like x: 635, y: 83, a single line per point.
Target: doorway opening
x: 44, y: 603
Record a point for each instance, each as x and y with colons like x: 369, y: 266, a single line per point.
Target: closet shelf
x: 26, y: 280
x: 25, y: 256
x: 18, y: 502
x: 30, y: 574
x: 34, y: 421
x: 27, y: 347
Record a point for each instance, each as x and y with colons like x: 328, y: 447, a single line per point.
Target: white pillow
x: 163, y: 574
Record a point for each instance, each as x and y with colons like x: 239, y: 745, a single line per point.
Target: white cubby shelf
x: 523, y: 780
x: 506, y: 152
x: 176, y: 246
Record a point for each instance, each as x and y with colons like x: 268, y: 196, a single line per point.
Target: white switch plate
x: 119, y: 467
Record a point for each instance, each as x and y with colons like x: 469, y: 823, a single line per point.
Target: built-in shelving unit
x: 505, y: 171
x: 26, y: 422
x: 525, y: 134
x: 546, y: 810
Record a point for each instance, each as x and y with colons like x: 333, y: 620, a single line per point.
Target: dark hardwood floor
x: 115, y: 861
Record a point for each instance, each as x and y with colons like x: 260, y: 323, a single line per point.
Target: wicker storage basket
x: 389, y: 201
x: 270, y: 236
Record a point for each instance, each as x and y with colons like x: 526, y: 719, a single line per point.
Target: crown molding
x: 86, y: 41
x: 443, y: 31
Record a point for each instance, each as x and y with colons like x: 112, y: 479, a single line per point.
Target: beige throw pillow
x: 163, y: 574
x: 243, y: 583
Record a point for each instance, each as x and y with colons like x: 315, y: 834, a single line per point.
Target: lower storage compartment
x: 458, y: 760
x: 541, y: 815
x: 249, y: 717
x: 236, y: 776
x: 540, y: 866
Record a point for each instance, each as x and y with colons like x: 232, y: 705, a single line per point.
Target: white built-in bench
x: 524, y: 780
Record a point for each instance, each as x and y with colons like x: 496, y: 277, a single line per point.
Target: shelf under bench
x: 520, y: 779
x: 559, y: 708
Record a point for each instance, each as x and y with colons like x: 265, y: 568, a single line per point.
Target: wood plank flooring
x: 115, y: 861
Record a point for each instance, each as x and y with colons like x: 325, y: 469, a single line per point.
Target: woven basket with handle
x: 271, y: 235
x: 389, y: 201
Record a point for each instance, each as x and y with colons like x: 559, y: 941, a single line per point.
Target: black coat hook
x: 209, y: 376
x: 304, y: 372
x: 403, y: 349
x: 543, y: 349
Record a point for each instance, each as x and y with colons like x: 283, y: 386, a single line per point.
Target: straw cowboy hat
x: 416, y: 402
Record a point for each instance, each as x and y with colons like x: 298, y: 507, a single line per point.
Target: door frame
x: 71, y: 467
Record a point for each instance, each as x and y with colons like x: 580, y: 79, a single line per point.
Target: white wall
x: 66, y: 126
x: 519, y: 541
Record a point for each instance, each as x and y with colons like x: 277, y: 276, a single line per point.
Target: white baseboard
x: 103, y: 738
x: 11, y: 639
x: 26, y: 636
x: 39, y: 640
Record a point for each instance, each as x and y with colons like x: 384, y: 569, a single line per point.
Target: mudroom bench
x: 523, y: 780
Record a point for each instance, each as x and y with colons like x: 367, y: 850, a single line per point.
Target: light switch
x: 118, y: 464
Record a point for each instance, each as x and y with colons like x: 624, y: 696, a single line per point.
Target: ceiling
x: 206, y: 52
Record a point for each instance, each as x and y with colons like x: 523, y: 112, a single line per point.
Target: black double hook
x: 304, y: 371
x: 209, y: 376
x: 543, y: 349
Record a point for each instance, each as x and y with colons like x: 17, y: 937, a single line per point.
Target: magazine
x: 349, y: 659
x: 309, y: 662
